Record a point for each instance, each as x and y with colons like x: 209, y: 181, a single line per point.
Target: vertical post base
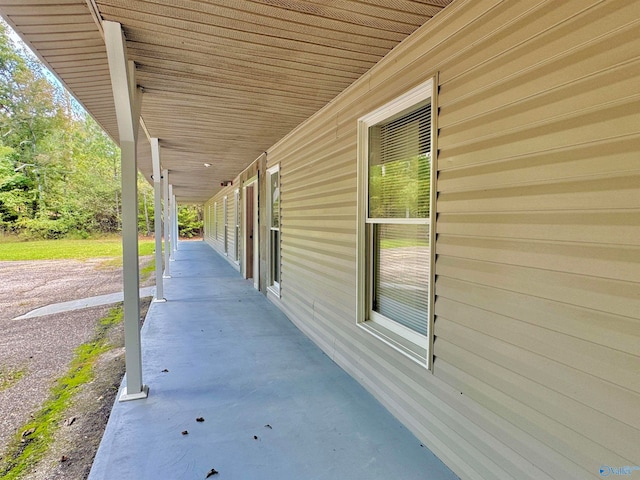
x: 126, y: 397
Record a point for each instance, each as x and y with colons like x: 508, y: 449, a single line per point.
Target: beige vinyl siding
x: 537, y: 332
x: 229, y: 192
x: 211, y: 216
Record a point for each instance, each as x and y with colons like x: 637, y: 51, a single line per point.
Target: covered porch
x: 274, y: 405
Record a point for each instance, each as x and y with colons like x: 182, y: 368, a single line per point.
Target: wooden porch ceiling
x: 223, y: 80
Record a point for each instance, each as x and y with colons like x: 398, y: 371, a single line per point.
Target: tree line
x: 59, y: 171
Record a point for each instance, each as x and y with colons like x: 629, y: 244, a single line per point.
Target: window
x: 236, y: 233
x: 396, y: 197
x: 273, y: 188
x: 225, y: 221
x: 215, y: 220
x: 209, y: 224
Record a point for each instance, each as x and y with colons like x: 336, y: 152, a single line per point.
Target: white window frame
x: 236, y: 227
x: 412, y: 344
x: 215, y: 220
x: 272, y: 285
x: 225, y: 224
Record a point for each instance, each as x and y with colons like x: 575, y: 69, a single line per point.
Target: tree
x: 190, y: 221
x: 59, y: 172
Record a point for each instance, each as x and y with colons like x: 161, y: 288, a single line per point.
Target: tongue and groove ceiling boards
x: 223, y: 80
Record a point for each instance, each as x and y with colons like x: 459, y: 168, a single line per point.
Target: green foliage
x: 66, y: 249
x: 59, y: 172
x: 190, y: 220
x: 25, y: 450
x: 145, y: 207
x: 400, y: 188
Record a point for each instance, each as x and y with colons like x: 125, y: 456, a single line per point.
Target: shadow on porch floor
x: 274, y: 405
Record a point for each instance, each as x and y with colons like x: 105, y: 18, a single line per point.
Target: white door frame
x: 252, y: 182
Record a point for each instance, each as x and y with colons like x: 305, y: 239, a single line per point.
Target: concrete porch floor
x: 274, y: 405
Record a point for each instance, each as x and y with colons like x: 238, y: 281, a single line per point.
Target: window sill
x: 275, y: 290
x: 410, y: 349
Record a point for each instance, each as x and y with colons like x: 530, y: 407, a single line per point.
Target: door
x: 248, y: 224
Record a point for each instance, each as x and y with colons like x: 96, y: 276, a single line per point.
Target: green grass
x: 69, y: 249
x: 23, y: 453
x: 147, y: 271
x: 10, y: 376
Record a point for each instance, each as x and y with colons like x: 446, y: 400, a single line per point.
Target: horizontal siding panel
x: 607, y: 364
x: 345, y: 222
x: 558, y: 385
x: 608, y: 330
x: 324, y: 209
x: 609, y: 193
x: 511, y: 391
x: 613, y: 120
x: 320, y: 251
x: 322, y: 131
x: 344, y: 198
x: 589, y: 227
x: 593, y: 91
x: 587, y: 455
x: 604, y: 158
x: 344, y: 314
x: 340, y: 234
x: 339, y: 182
x: 599, y: 294
x: 315, y: 294
x: 607, y: 261
x: 555, y: 56
x: 335, y: 164
x: 549, y: 81
x: 545, y: 127
x: 521, y: 39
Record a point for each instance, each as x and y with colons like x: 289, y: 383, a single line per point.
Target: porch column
x: 175, y: 224
x: 172, y: 216
x: 167, y: 239
x: 157, y: 217
x: 128, y: 101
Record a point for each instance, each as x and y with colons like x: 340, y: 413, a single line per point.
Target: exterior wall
x: 537, y: 332
x: 209, y: 216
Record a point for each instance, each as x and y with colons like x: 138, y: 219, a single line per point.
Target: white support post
x: 128, y: 101
x: 157, y: 217
x: 172, y: 215
x: 175, y: 224
x: 167, y: 224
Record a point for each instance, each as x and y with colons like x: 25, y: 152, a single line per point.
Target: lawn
x: 68, y: 249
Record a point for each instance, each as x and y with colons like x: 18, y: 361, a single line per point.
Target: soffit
x: 223, y: 80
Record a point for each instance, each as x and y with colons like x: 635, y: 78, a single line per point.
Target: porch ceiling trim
x: 223, y: 79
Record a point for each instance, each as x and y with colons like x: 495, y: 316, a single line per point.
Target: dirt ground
x: 42, y: 348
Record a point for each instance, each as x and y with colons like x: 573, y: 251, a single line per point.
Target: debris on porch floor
x: 238, y: 392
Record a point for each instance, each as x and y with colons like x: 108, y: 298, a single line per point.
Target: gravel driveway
x: 42, y: 347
